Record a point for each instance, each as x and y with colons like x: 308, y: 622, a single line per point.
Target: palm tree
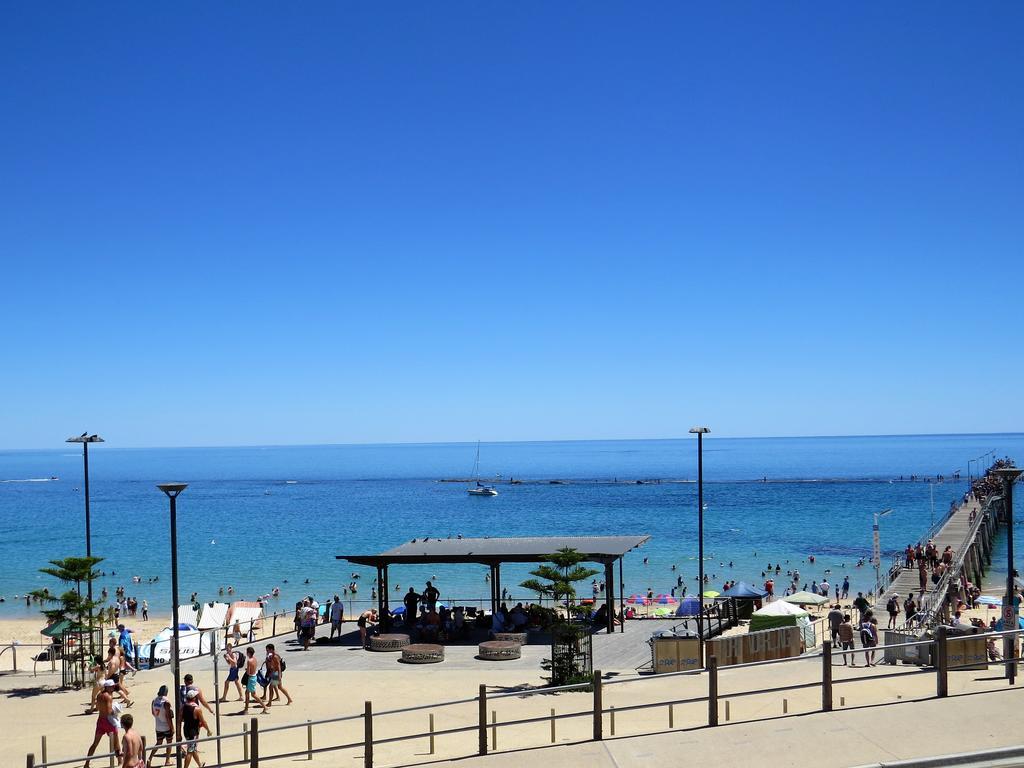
x: 71, y: 606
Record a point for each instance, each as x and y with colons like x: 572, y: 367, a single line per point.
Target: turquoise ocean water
x: 242, y: 523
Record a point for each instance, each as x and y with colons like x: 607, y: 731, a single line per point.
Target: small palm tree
x: 71, y: 605
x: 561, y: 570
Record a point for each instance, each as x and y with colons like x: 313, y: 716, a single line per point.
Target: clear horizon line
x: 523, y: 442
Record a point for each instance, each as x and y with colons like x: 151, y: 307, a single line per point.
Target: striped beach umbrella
x: 665, y: 600
x: 638, y: 600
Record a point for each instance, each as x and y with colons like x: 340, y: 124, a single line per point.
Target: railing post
x: 309, y: 740
x: 245, y: 742
x: 431, y: 724
x: 712, y: 690
x: 42, y: 750
x: 826, y: 675
x: 552, y: 725
x: 494, y: 730
x: 598, y: 707
x: 941, y: 664
x: 254, y: 743
x: 14, y: 656
x: 482, y: 720
x: 368, y: 735
x: 30, y: 760
x: 273, y: 627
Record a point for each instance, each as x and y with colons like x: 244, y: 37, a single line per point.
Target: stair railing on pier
x: 935, y: 600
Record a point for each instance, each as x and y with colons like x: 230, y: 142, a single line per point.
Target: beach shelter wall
x: 493, y: 552
x: 212, y: 615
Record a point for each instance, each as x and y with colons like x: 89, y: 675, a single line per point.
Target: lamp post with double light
x: 173, y: 490
x: 85, y: 438
x: 700, y: 432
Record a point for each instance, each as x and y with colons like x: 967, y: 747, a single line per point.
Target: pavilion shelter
x: 493, y: 552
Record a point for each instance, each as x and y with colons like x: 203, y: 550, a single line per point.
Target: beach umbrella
x: 398, y: 611
x: 662, y: 612
x: 988, y: 600
x: 638, y: 600
x: 711, y: 593
x: 805, y: 598
x: 665, y: 600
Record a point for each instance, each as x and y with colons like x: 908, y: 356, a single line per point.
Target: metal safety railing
x: 941, y: 651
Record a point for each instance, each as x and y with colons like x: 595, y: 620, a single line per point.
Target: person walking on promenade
x: 892, y: 607
x: 131, y: 745
x: 861, y: 604
x: 922, y: 575
x: 431, y: 595
x: 249, y: 680
x: 192, y: 721
x: 337, y: 616
x: 105, y: 721
x: 236, y: 662
x: 163, y: 716
x: 236, y: 633
x: 909, y: 608
x: 275, y: 671
x: 116, y: 674
x: 307, y: 624
x: 908, y: 556
x: 835, y: 619
x: 846, y: 639
x: 869, y: 638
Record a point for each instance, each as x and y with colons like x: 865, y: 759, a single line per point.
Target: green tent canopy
x: 63, y: 627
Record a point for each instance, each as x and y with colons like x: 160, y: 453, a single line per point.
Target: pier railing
x: 255, y: 744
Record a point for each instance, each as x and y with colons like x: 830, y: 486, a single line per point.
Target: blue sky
x: 228, y: 223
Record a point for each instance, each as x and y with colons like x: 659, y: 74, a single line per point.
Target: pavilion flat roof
x: 529, y: 549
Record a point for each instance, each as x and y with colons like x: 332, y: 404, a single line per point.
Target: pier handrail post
x: 826, y: 675
x: 482, y: 720
x: 254, y: 743
x: 367, y: 735
x: 30, y: 760
x: 712, y: 690
x: 941, y: 663
x: 598, y: 707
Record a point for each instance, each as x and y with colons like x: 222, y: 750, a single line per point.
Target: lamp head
x: 172, y: 489
x: 85, y: 437
x: 699, y: 430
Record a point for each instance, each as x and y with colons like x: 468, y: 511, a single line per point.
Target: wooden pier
x: 970, y: 530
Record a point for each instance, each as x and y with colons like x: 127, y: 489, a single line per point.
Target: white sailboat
x: 479, y: 489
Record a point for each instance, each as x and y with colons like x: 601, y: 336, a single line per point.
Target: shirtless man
x: 132, y: 745
x: 274, y: 671
x: 250, y: 680
x: 116, y: 674
x: 104, y: 721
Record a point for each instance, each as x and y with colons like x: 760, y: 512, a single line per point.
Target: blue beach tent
x: 690, y: 606
x: 744, y: 591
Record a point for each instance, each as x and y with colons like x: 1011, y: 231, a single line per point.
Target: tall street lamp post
x: 1009, y: 476
x: 876, y: 553
x: 172, y: 490
x: 700, y: 432
x: 85, y: 438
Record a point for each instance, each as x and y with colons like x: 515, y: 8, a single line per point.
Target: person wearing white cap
x: 192, y: 721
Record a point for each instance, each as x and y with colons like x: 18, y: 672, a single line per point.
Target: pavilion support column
x: 380, y: 591
x: 385, y: 615
x: 609, y: 595
x: 622, y: 599
x: 498, y: 583
x: 494, y: 578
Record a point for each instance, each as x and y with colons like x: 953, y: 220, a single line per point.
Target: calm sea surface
x: 242, y: 523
